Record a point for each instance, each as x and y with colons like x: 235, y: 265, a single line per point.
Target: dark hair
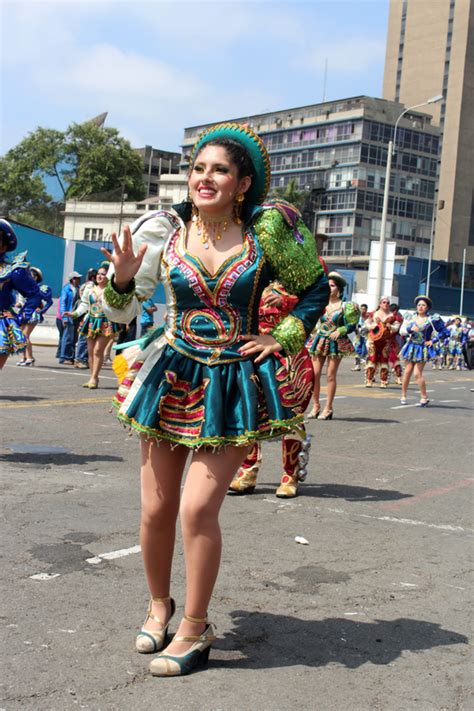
x: 393, y: 306
x: 91, y: 274
x: 237, y: 154
x: 366, y: 306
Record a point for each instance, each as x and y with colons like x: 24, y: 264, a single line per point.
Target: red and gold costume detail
x: 295, y: 448
x: 395, y: 348
x: 380, y: 341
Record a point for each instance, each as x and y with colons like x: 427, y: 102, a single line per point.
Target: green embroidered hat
x: 254, y: 146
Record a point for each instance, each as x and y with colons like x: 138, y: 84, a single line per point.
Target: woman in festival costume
x: 382, y: 325
x: 207, y: 384
x: 36, y: 317
x: 423, y: 333
x: 455, y: 344
x: 360, y: 345
x: 96, y: 327
x: 276, y: 303
x: 330, y: 340
x: 396, y: 345
x: 15, y: 277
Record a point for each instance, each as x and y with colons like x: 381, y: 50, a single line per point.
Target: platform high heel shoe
x: 326, y: 415
x: 197, y: 656
x: 148, y: 641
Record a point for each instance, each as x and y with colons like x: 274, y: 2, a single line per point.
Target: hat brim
x: 254, y: 146
x: 424, y: 298
x: 340, y: 281
x: 9, y: 232
x: 38, y: 271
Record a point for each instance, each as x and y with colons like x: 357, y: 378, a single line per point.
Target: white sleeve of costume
x: 152, y: 229
x: 84, y: 304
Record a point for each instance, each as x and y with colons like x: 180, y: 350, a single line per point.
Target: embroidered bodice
x: 431, y: 328
x: 92, y: 302
x: 208, y: 313
x: 343, y: 318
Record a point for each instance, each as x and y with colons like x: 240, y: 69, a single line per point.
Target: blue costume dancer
x: 209, y: 382
x: 37, y: 316
x: 14, y: 277
x: 423, y: 335
x: 455, y: 343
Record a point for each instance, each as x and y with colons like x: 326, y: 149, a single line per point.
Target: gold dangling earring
x: 239, y: 199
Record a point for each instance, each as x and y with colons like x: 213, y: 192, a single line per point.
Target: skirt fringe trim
x: 274, y: 429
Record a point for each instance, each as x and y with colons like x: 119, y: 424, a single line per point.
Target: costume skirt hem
x: 273, y: 429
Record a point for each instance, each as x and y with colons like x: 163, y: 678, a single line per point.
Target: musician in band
x: 383, y: 325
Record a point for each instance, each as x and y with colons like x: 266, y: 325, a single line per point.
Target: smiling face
x: 214, y: 181
x: 101, y: 277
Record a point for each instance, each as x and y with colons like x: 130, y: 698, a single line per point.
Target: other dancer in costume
x: 382, y: 325
x: 96, y: 326
x: 360, y: 345
x: 455, y: 344
x: 330, y: 340
x: 36, y: 317
x: 15, y: 277
x: 396, y: 345
x: 423, y: 333
x: 276, y: 303
x: 209, y: 383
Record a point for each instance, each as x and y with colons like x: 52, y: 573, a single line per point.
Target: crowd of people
x: 252, y: 319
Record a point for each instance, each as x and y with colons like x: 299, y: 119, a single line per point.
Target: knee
x: 331, y: 378
x: 197, y: 516
x: 158, y: 516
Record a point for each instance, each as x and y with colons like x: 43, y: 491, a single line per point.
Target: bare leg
x: 420, y: 379
x: 161, y: 474
x: 206, y: 485
x: 29, y: 328
x: 333, y: 365
x: 318, y: 365
x: 100, y: 344
x: 406, y: 378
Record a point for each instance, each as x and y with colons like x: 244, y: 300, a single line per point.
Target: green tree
x: 292, y: 193
x: 86, y: 159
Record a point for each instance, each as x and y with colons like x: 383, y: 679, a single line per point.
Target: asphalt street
x: 374, y: 613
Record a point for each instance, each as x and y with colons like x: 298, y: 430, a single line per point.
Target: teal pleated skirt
x: 169, y: 396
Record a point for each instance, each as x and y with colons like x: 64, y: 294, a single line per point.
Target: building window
x: 93, y: 234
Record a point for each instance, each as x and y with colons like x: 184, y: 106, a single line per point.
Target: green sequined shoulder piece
x: 296, y: 264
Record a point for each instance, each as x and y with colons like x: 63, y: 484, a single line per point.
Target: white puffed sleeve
x: 153, y: 229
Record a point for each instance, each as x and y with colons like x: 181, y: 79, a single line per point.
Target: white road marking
x: 404, y: 407
x: 112, y: 555
x: 463, y: 387
x: 407, y: 521
x: 449, y: 400
x: 44, y: 576
x: 81, y: 373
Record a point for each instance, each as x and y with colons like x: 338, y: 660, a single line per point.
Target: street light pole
x: 383, y: 226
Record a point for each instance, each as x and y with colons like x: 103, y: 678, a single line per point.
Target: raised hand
x: 124, y: 259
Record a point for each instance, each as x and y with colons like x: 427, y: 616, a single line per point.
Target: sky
x: 157, y: 66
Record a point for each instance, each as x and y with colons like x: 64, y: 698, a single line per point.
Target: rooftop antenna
x: 325, y: 78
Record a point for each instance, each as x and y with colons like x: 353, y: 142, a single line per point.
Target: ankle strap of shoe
x: 161, y: 599
x: 196, y: 620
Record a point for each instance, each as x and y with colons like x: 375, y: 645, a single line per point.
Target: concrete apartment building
x: 337, y: 151
x: 155, y: 163
x: 430, y: 51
